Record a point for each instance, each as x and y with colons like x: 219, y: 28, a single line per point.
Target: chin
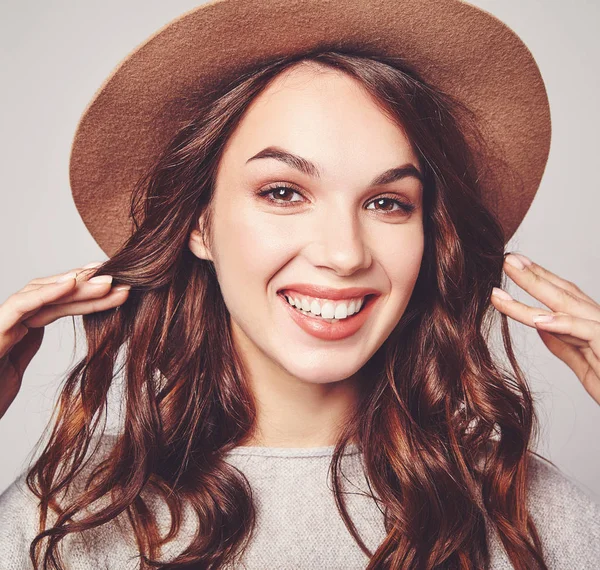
x: 319, y: 373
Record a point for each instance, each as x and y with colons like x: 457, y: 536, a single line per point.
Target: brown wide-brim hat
x: 459, y: 48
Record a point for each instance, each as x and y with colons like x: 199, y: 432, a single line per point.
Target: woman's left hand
x: 574, y: 333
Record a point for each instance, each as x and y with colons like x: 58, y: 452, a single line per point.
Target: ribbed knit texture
x: 298, y: 525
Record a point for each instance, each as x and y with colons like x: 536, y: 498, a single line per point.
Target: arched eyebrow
x: 311, y: 169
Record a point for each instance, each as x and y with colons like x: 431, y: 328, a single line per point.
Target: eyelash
x: 406, y: 207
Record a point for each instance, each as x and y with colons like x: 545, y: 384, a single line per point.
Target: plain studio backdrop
x: 55, y: 54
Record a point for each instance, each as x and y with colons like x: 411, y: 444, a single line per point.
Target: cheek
x: 250, y: 247
x: 401, y: 259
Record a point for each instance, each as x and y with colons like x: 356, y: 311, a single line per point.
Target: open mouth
x: 366, y: 302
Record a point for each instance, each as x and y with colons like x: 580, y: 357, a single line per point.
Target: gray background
x: 55, y: 54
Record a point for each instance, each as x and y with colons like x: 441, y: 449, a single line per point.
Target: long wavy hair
x: 443, y: 425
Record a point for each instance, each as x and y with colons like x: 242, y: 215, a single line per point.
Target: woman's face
x: 329, y: 229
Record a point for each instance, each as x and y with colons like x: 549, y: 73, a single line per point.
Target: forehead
x: 322, y: 113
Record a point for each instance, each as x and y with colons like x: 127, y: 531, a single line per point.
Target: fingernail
x: 514, y: 261
x: 501, y: 294
x: 123, y: 288
x: 93, y: 264
x: 101, y: 279
x: 524, y: 258
x: 66, y: 277
x: 542, y: 318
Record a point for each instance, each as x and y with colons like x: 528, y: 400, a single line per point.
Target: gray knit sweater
x: 298, y: 525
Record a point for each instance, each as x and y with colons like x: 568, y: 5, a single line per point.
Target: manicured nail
x: 101, y: 279
x: 542, y: 318
x: 524, y: 258
x: 514, y: 261
x: 123, y: 288
x: 501, y: 294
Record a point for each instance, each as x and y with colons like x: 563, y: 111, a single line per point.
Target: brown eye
x: 402, y: 206
x: 381, y: 201
x: 280, y: 192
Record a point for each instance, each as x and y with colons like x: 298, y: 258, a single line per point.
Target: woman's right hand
x: 42, y: 301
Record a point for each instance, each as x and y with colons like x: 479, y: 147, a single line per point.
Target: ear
x: 197, y: 245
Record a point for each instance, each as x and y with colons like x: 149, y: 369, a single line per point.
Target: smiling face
x: 329, y: 227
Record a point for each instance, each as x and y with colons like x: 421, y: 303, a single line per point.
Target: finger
x: 553, y: 278
x: 89, y: 268
x: 569, y: 354
x: 524, y: 314
x: 583, y: 329
x: 22, y: 353
x: 19, y: 304
x: 51, y: 313
x: 591, y: 379
x: 582, y: 362
x: 86, y: 289
x: 83, y: 291
x: 554, y: 296
x: 81, y: 273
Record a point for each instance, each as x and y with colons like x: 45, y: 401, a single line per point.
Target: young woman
x: 308, y: 381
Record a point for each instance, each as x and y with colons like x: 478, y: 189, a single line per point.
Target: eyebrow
x: 311, y: 169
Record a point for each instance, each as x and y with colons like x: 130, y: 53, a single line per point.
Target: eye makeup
x: 273, y: 195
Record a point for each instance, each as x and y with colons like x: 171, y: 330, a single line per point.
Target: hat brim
x: 455, y: 46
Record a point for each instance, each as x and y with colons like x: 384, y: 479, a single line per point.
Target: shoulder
x: 18, y: 523
x: 566, y: 516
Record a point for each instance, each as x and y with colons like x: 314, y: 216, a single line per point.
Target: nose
x: 339, y: 243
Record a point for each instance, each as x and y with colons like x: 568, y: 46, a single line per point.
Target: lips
x: 324, y: 330
x: 323, y: 292
x: 286, y: 292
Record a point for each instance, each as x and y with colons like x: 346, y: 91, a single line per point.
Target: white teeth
x: 315, y: 308
x: 328, y: 310
x: 341, y: 312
